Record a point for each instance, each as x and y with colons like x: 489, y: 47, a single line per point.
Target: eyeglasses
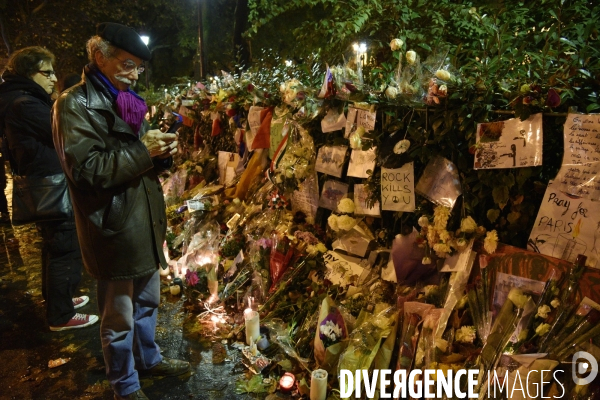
x: 48, y: 73
x: 129, y: 66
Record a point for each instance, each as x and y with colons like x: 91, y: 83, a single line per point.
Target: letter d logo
x: 581, y: 367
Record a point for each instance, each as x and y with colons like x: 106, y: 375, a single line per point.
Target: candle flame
x: 576, y: 229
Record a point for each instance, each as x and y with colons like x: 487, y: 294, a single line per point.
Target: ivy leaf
x: 500, y: 195
x: 286, y: 365
x: 493, y: 214
x: 513, y: 217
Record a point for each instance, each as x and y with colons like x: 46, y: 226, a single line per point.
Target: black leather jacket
x: 117, y: 197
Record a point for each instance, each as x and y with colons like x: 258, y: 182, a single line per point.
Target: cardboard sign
x: 333, y: 121
x: 342, y: 269
x: 360, y: 202
x: 567, y: 226
x: 333, y: 192
x: 306, y: 198
x: 579, y: 174
x: 227, y: 164
x: 397, y: 188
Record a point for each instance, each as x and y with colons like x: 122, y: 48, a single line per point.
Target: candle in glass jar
x: 252, y: 326
x: 287, y: 381
x: 318, y: 385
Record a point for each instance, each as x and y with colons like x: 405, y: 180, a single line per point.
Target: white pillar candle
x: 175, y: 289
x: 318, y: 385
x: 252, y: 326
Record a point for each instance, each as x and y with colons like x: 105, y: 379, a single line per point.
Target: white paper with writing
x: 360, y: 202
x: 398, y: 188
x: 333, y: 192
x: 567, y: 226
x: 366, y: 119
x: 342, y: 269
x: 227, y: 164
x: 330, y: 160
x: 509, y: 144
x: 350, y: 121
x: 254, y: 123
x: 362, y: 161
x: 333, y: 121
x: 459, y: 261
x: 579, y: 174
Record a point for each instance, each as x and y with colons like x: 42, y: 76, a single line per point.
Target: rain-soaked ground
x: 27, y: 345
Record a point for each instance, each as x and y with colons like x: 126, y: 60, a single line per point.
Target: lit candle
x: 287, y: 381
x: 318, y: 385
x: 175, y: 289
x: 252, y: 325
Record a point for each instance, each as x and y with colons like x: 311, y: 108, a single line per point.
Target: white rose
x: 346, y: 206
x: 543, y: 311
x: 423, y: 221
x: 517, y: 297
x: 402, y: 146
x: 391, y: 92
x: 411, y: 57
x: 355, y: 141
x: 555, y: 303
x: 332, y: 221
x: 289, y: 173
x: 345, y: 222
x: 443, y: 74
x: 321, y: 247
x: 396, y: 44
x: 490, y: 242
x: 466, y: 334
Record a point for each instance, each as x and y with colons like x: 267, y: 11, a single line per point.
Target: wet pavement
x: 27, y: 344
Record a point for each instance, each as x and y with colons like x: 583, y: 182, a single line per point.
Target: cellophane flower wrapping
x: 414, y: 313
x: 346, y: 81
x: 329, y: 336
x: 282, y: 252
x: 298, y: 161
x: 365, y: 340
x: 407, y: 257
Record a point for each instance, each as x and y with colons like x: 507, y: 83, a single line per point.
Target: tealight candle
x: 287, y: 382
x: 318, y: 385
x: 252, y: 326
x: 175, y: 289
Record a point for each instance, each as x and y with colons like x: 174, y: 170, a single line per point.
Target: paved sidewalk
x: 26, y: 343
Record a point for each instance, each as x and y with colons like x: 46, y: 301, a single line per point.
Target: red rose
x: 250, y: 87
x: 553, y: 99
x: 231, y: 112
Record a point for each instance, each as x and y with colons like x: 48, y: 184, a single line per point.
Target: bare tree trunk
x: 240, y: 47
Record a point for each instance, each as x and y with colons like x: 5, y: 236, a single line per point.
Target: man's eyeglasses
x: 129, y: 66
x: 48, y: 73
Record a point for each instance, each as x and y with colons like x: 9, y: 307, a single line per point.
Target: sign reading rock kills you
x: 398, y: 188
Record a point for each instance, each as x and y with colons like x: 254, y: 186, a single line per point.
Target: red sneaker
x: 80, y: 301
x: 78, y: 321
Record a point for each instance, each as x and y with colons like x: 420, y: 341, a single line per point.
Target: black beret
x: 124, y: 38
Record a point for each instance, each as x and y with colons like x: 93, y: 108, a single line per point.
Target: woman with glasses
x: 25, y: 126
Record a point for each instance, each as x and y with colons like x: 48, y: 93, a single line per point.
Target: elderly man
x: 112, y: 161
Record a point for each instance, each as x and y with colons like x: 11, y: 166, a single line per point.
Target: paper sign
x: 350, y: 121
x: 306, y: 198
x: 186, y: 103
x: 398, y: 188
x: 440, y: 183
x: 567, y: 226
x: 360, y: 202
x: 333, y: 121
x: 356, y: 241
x: 227, y: 163
x: 509, y: 144
x: 330, y: 160
x: 342, y: 269
x: 333, y: 192
x: 366, y: 119
x: 362, y: 161
x: 581, y: 161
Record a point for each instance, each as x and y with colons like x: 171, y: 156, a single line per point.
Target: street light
x: 146, y: 40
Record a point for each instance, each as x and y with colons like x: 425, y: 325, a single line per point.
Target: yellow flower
x: 321, y: 247
x: 542, y: 329
x: 440, y: 217
x: 468, y: 225
x: 391, y: 92
x: 491, y: 242
x: 543, y: 311
x: 517, y: 297
x: 411, y: 57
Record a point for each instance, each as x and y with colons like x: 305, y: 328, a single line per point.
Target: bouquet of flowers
x: 331, y: 332
x: 282, y: 253
x: 342, y: 222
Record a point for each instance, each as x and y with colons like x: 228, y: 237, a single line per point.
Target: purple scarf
x: 131, y: 108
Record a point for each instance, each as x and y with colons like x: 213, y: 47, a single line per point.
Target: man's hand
x: 172, y: 149
x: 159, y: 143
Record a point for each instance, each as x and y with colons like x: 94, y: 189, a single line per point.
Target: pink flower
x: 191, y: 278
x: 553, y: 99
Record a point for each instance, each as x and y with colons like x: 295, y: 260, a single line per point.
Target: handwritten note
x: 361, y: 162
x: 333, y: 192
x: 330, y: 160
x: 581, y: 161
x: 360, y: 202
x: 509, y: 144
x: 567, y: 226
x: 342, y: 269
x: 366, y: 119
x: 254, y: 122
x: 227, y: 164
x: 398, y: 188
x: 333, y: 121
x: 350, y: 121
